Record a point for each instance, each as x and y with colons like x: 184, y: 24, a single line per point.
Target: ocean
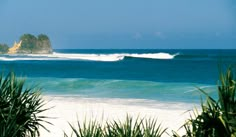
x: 146, y: 74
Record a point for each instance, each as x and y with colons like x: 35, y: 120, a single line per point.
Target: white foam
x: 91, y: 57
x: 152, y: 55
x: 21, y: 58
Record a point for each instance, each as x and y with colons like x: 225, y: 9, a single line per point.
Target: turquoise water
x: 162, y: 75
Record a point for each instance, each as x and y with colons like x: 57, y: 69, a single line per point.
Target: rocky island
x: 29, y: 44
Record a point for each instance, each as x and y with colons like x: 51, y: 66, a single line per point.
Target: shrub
x: 87, y: 129
x: 129, y: 128
x: 217, y: 118
x: 19, y: 108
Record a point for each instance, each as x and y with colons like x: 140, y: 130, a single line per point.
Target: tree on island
x: 29, y: 44
x: 3, y: 48
x: 32, y: 44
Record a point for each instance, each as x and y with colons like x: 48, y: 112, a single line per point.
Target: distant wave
x: 20, y: 58
x: 91, y: 57
x: 152, y: 55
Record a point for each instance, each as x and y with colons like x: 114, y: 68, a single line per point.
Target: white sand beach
x: 72, y: 108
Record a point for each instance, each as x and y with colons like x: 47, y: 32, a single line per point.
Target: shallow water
x: 159, y: 75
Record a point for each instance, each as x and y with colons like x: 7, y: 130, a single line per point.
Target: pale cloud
x: 160, y: 35
x: 137, y: 35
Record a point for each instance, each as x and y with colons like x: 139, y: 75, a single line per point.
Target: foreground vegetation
x: 19, y: 111
x: 217, y: 117
x: 19, y: 108
x: 128, y: 128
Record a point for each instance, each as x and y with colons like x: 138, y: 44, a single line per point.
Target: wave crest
x: 152, y: 55
x: 91, y: 57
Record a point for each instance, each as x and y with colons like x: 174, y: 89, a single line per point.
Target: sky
x: 122, y: 24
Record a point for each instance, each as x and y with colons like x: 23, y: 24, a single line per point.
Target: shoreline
x: 70, y: 109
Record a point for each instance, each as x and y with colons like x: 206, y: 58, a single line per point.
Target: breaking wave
x: 91, y: 57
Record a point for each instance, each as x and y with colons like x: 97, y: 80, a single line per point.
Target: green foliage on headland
x: 3, y: 48
x: 32, y: 44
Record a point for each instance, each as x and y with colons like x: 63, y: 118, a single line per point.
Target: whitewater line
x: 91, y: 57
